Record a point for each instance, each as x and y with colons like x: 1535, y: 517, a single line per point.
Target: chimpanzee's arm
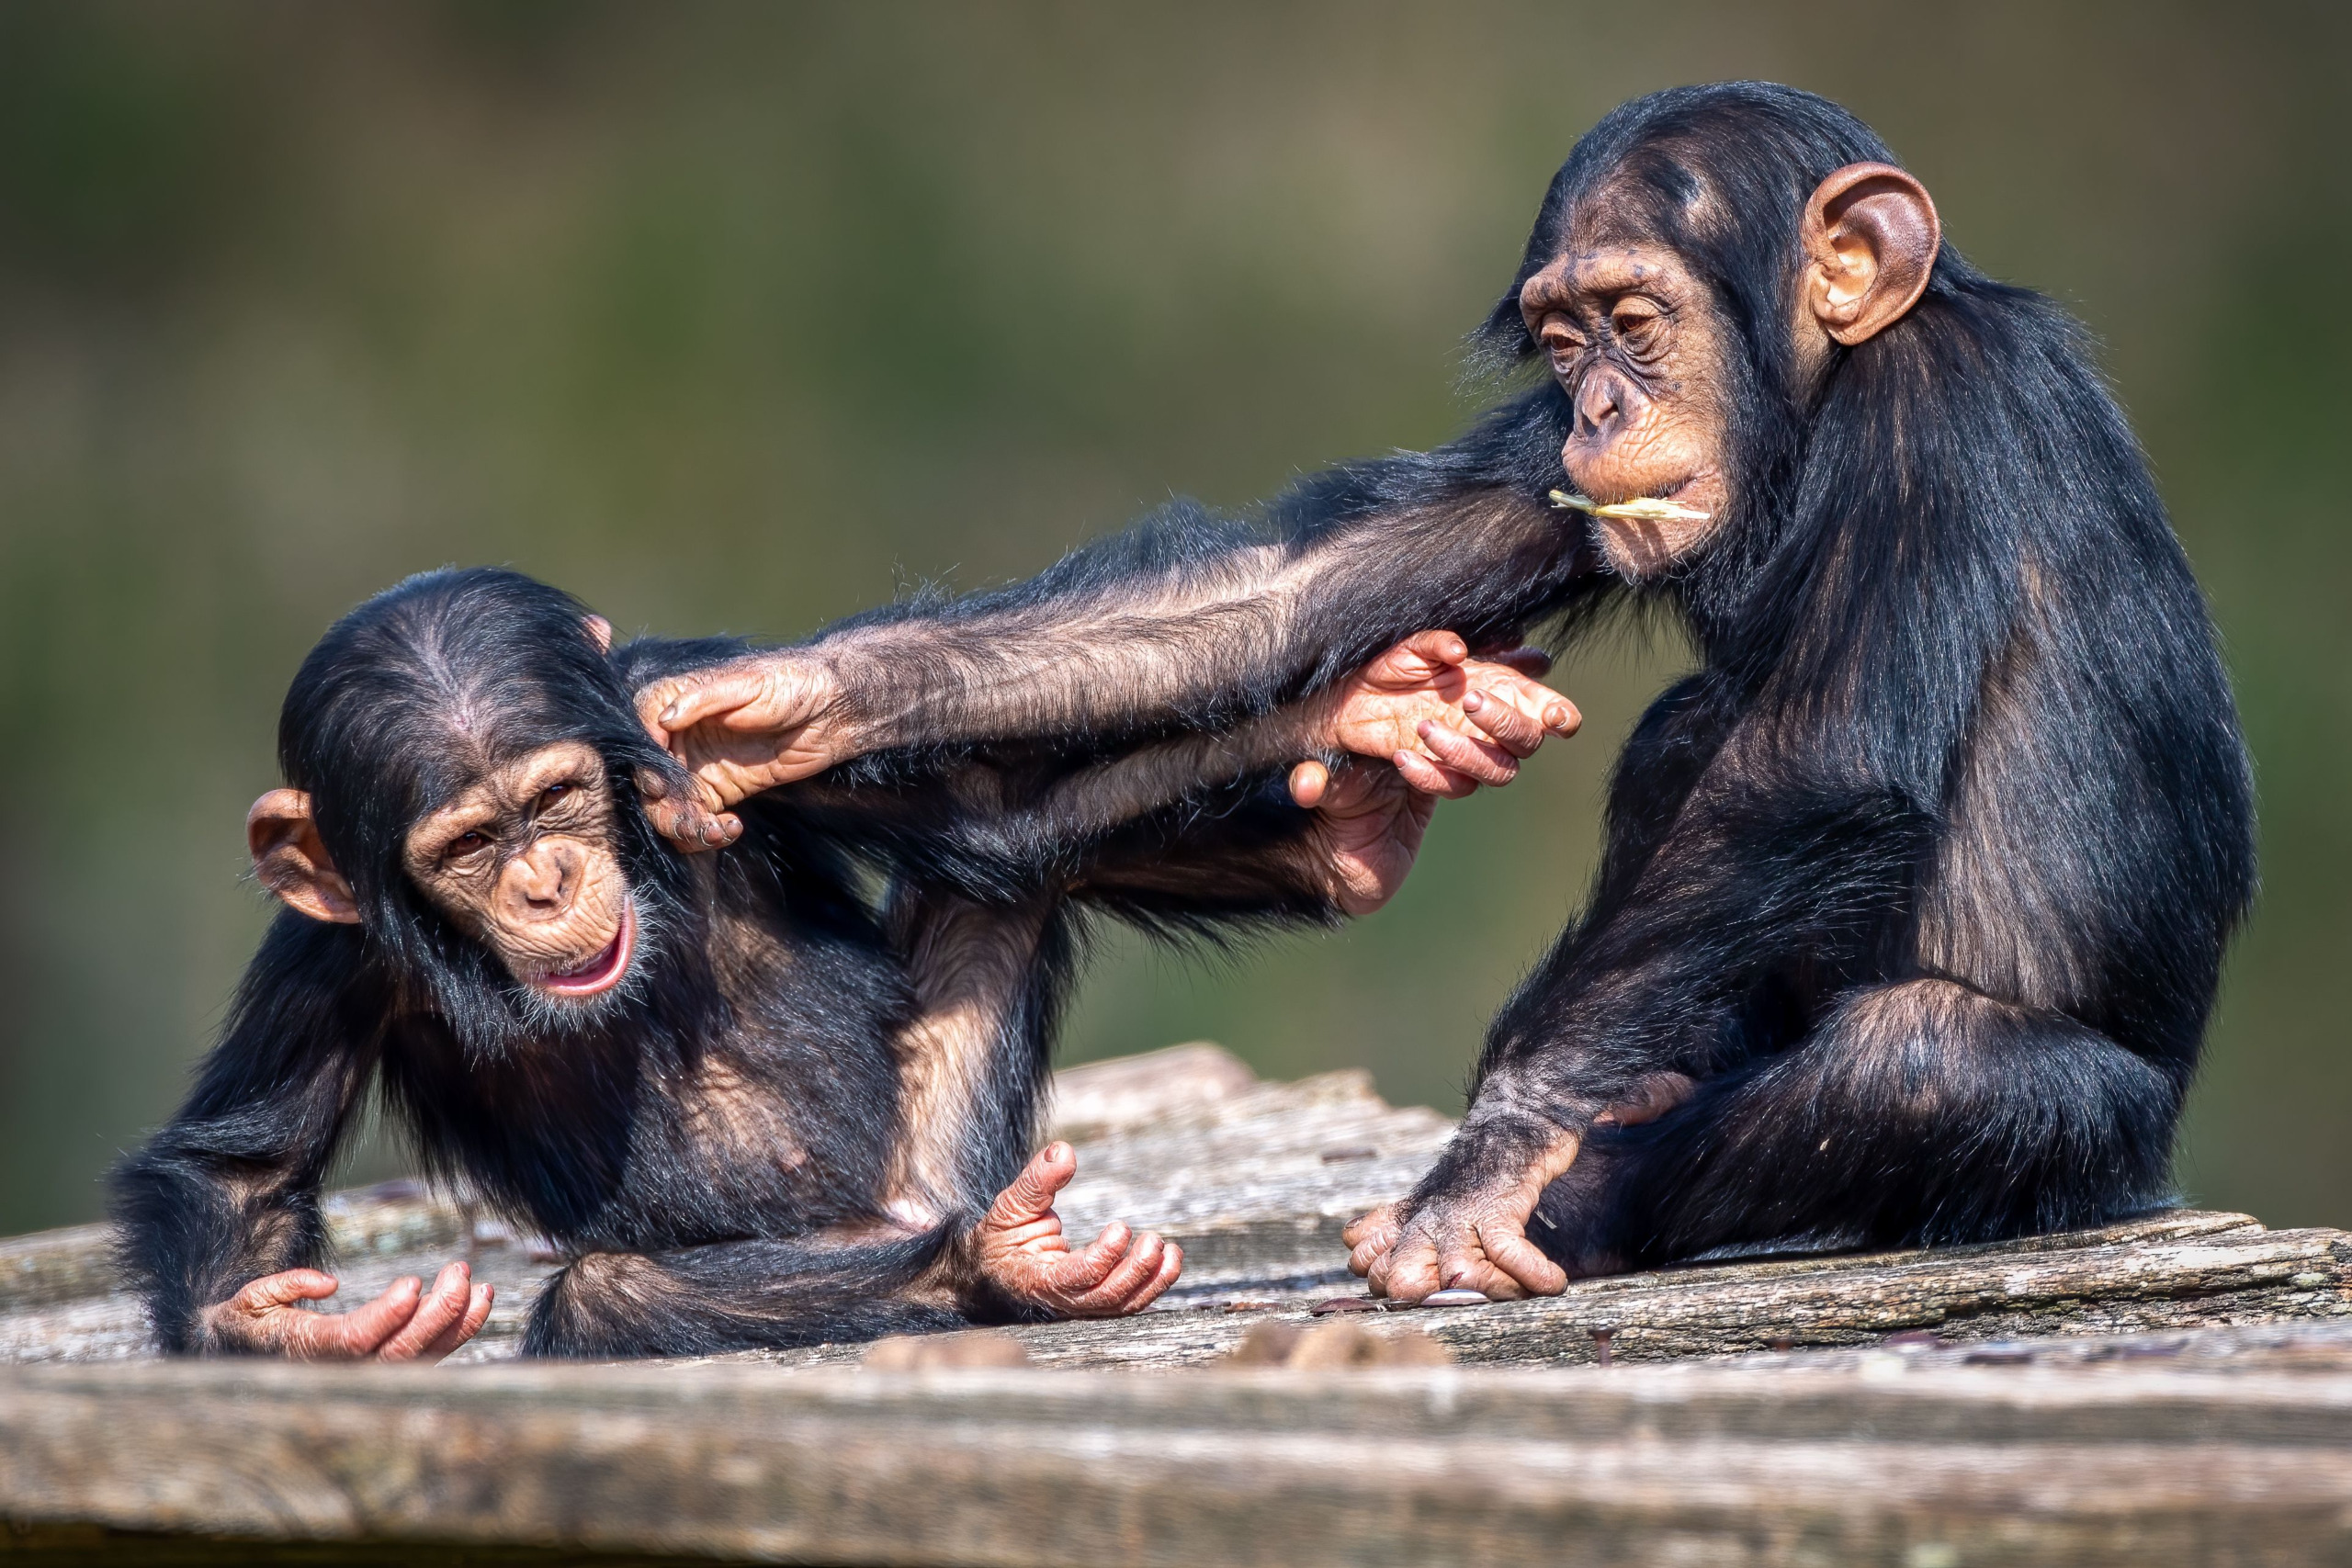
x: 1754, y: 873
x: 1188, y: 620
x: 1746, y: 864
x: 228, y: 1190
x: 1199, y: 827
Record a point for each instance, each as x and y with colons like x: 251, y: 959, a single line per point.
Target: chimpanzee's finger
x: 1430, y: 779
x: 1532, y: 662
x: 1503, y: 722
x: 671, y: 707
x: 1409, y: 1272
x: 1134, y: 1271
x: 442, y: 1308
x: 464, y: 1328
x: 1307, y: 783
x: 1080, y: 1273
x: 1430, y: 651
x: 1509, y: 1251
x: 1463, y: 1264
x: 1478, y: 760
x: 283, y: 1289
x: 1172, y: 1264
x: 339, y: 1337
x: 1030, y: 1195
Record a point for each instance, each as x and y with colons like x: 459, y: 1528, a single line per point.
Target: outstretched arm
x: 218, y: 1217
x: 1200, y: 827
x: 1188, y: 621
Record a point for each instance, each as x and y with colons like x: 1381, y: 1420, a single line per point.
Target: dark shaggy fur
x: 1926, y: 874
x: 691, y: 1139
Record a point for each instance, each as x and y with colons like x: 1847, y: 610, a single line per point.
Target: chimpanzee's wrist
x: 1497, y: 1145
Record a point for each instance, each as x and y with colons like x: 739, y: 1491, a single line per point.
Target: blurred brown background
x: 743, y: 316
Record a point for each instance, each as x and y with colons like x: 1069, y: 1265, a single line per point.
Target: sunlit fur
x: 688, y: 1137
x: 1927, y: 872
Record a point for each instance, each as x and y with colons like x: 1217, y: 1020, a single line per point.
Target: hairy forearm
x: 1018, y: 822
x: 1198, y: 631
x: 192, y: 1231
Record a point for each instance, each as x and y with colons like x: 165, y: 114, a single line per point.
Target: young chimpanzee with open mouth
x: 757, y: 1102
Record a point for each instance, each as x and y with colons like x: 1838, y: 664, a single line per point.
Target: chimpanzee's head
x: 463, y: 765
x: 1701, y: 264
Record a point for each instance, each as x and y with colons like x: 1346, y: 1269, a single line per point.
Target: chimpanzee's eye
x: 554, y: 793
x: 1638, y: 323
x: 466, y: 846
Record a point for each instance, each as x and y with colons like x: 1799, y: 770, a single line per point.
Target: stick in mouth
x: 1645, y: 509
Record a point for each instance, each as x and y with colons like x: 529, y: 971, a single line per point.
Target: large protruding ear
x: 1870, y: 237
x: 291, y: 859
x: 600, y: 632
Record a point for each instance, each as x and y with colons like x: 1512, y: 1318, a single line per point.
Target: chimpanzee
x: 759, y: 1105
x: 1915, y: 894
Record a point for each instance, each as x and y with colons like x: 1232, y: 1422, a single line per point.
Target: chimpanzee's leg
x: 987, y: 980
x: 738, y: 1296
x: 1921, y: 1112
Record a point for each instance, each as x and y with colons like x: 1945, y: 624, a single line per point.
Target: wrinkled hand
x: 1021, y: 1251
x: 1367, y: 829
x: 739, y: 728
x: 1450, y: 722
x: 405, y: 1324
x: 1476, y: 1239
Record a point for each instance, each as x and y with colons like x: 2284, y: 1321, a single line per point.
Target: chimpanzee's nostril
x: 1596, y: 404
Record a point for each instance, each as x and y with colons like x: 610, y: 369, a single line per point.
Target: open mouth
x: 602, y: 972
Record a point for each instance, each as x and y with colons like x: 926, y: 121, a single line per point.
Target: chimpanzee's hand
x: 1475, y: 1237
x: 405, y: 1323
x: 1368, y: 827
x: 740, y: 728
x: 1450, y: 722
x: 1023, y: 1257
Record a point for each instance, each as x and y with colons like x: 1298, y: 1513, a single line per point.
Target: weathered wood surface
x: 2022, y: 1428
x: 1865, y: 1458
x: 1256, y: 1179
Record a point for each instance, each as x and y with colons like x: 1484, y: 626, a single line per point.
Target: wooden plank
x: 1256, y: 1179
x: 2039, y: 1435
x: 1881, y: 1459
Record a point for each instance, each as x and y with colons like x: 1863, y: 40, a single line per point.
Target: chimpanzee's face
x: 524, y: 859
x: 1636, y: 343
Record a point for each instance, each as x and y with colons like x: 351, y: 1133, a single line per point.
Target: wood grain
x: 2173, y: 1390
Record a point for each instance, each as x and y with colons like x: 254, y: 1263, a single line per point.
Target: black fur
x: 1926, y: 874
x: 696, y: 1217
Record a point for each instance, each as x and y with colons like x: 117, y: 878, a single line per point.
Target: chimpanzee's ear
x: 291, y: 859
x: 600, y: 632
x: 1870, y: 237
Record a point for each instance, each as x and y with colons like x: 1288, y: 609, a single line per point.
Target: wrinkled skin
x: 1487, y: 1248
x: 1019, y: 1248
x: 1633, y: 338
x: 407, y: 1323
x: 1449, y: 723
x: 523, y: 862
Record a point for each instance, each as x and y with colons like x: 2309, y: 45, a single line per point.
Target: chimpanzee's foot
x: 1021, y: 1251
x: 1522, y: 1236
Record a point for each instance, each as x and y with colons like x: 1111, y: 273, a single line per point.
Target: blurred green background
x: 744, y: 318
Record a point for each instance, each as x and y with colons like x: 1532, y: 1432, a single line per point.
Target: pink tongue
x: 601, y: 961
